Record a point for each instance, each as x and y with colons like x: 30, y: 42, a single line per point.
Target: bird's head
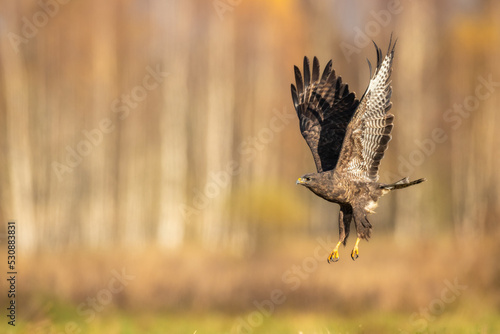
x: 318, y: 183
x: 307, y: 180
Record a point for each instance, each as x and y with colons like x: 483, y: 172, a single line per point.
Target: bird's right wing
x: 369, y: 131
x: 324, y: 107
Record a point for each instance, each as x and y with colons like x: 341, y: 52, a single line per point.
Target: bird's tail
x: 403, y: 183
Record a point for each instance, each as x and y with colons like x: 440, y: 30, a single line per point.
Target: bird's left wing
x: 370, y: 128
x: 324, y: 106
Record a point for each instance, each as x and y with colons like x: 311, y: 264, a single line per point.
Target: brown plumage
x: 347, y: 138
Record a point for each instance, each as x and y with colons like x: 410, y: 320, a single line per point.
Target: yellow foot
x: 334, y: 255
x: 355, y: 250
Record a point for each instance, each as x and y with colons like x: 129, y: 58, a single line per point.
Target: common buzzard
x: 347, y: 138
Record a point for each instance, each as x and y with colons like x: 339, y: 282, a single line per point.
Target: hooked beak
x: 300, y: 181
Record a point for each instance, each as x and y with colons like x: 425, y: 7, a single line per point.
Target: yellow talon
x: 355, y: 250
x: 334, y: 255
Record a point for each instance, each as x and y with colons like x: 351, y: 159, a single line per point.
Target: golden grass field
x: 431, y: 286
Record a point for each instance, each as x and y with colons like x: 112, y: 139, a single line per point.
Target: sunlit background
x: 150, y: 151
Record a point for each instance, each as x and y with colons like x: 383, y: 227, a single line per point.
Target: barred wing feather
x: 369, y: 131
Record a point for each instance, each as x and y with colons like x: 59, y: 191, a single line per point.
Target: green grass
x: 114, y: 321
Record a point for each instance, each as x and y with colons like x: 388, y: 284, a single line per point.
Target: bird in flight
x: 347, y: 138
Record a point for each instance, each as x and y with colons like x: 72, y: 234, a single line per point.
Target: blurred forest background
x: 161, y: 136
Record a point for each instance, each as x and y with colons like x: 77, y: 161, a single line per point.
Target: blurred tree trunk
x: 219, y: 140
x: 173, y: 122
x: 474, y: 144
x: 493, y: 152
x: 138, y: 128
x: 413, y: 105
x: 19, y: 125
x: 99, y: 211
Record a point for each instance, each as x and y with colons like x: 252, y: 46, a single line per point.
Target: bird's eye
x: 308, y: 179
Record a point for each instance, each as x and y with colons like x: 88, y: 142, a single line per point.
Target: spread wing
x: 369, y: 131
x: 324, y: 107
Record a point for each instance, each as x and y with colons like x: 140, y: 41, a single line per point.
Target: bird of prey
x: 347, y: 138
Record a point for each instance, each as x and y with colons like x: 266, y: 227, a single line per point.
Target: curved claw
x: 334, y: 256
x: 355, y: 251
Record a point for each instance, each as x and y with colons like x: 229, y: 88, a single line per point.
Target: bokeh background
x: 150, y: 151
